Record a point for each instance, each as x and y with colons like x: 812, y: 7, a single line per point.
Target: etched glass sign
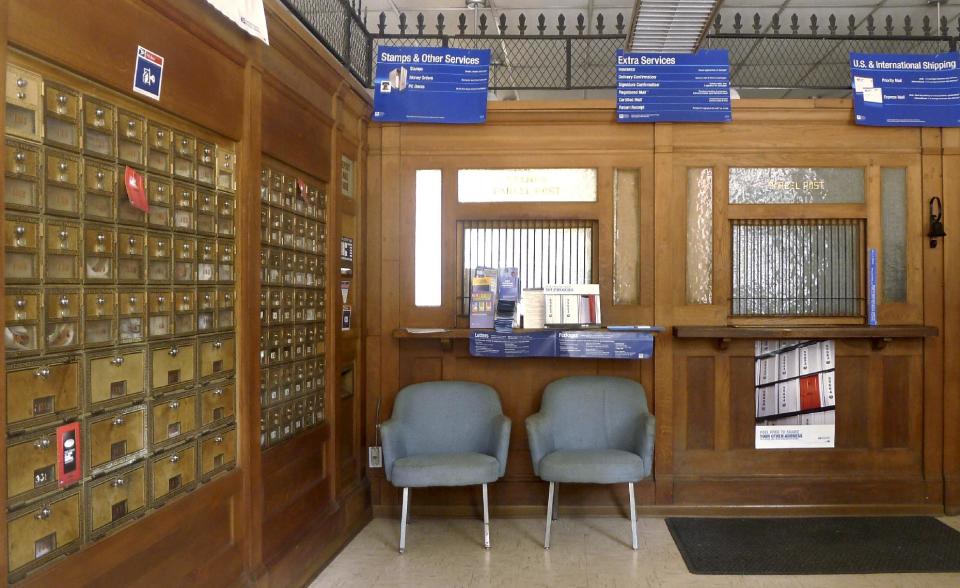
x: 796, y: 185
x: 527, y: 185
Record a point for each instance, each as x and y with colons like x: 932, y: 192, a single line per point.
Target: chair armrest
x: 391, y: 435
x: 540, y: 438
x: 501, y: 441
x: 646, y: 434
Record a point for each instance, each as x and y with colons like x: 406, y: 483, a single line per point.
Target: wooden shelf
x: 879, y: 336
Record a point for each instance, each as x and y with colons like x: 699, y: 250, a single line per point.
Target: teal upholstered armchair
x: 445, y: 434
x: 592, y: 430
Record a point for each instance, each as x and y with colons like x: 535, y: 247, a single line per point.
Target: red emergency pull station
x: 68, y: 454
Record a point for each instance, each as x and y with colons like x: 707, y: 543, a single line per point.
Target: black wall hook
x: 936, y: 221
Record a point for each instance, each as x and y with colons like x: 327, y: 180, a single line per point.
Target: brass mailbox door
x: 99, y: 191
x: 61, y: 184
x: 225, y: 214
x: 99, y: 128
x: 100, y: 315
x: 206, y: 163
x: 206, y: 260
x: 206, y: 212
x: 131, y: 258
x: 173, y: 472
x: 32, y: 466
x: 206, y: 309
x: 184, y: 203
x: 159, y: 313
x: 184, y: 260
x: 159, y: 194
x: 184, y: 151
x: 159, y: 258
x: 62, y: 251
x: 172, y: 366
x: 115, y: 378
x: 21, y: 313
x: 116, y: 498
x: 61, y: 116
x: 158, y: 148
x: 217, y: 357
x: 184, y: 312
x: 218, y: 451
x: 225, y: 308
x: 41, y: 393
x: 23, y: 103
x: 131, y: 311
x: 225, y: 257
x: 63, y: 310
x: 22, y: 177
x: 226, y: 169
x: 115, y: 437
x: 40, y: 532
x: 98, y: 253
x: 217, y: 403
x: 131, y: 131
x: 173, y: 419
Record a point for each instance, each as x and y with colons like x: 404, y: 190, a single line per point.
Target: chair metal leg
x: 546, y: 536
x: 486, y: 520
x: 633, y: 517
x: 403, y: 520
x: 556, y: 501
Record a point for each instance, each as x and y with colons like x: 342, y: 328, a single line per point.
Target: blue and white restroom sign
x: 673, y: 87
x: 431, y: 85
x: 148, y: 73
x: 902, y: 90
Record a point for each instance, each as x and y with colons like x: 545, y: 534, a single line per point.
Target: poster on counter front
x: 431, y: 85
x: 906, y: 90
x: 795, y: 390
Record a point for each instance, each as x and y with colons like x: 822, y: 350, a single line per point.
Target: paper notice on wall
x: 247, y: 14
x: 795, y: 394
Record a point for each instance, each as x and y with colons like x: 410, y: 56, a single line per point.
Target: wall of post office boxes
x: 292, y: 305
x: 114, y: 318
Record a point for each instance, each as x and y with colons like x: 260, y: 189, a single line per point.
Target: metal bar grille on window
x: 798, y: 267
x: 544, y: 252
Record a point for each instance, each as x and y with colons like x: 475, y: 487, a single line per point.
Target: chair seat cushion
x: 444, y: 469
x: 591, y: 466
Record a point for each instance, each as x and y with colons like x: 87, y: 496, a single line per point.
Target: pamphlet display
x: 483, y: 298
x: 795, y: 394
x: 431, y: 85
x: 906, y: 90
x: 572, y: 304
x: 508, y: 294
x: 673, y: 87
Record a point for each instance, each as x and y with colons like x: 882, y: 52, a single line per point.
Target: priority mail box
x: 809, y: 356
x: 788, y: 364
x: 766, y: 401
x: 767, y: 369
x: 827, y: 389
x: 788, y: 396
x: 827, y: 355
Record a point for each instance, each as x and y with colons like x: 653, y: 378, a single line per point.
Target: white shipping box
x: 789, y: 364
x: 570, y: 305
x: 827, y: 355
x: 553, y: 315
x: 827, y: 389
x: 809, y: 359
x: 766, y: 401
x: 767, y: 368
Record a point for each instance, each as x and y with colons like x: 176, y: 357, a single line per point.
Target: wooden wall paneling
x: 951, y: 320
x: 933, y: 314
x: 667, y: 261
x: 742, y: 400
x: 109, y: 32
x: 248, y: 322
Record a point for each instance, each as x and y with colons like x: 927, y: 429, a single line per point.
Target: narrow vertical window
x: 427, y: 284
x: 893, y: 196
x: 700, y: 235
x: 626, y: 237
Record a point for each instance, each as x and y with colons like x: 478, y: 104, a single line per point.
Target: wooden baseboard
x: 526, y: 511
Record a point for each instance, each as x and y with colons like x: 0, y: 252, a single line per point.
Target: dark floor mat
x: 828, y: 545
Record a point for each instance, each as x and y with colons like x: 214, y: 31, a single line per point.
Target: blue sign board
x: 431, y: 85
x: 893, y: 90
x: 526, y: 344
x: 605, y: 344
x: 148, y: 73
x: 673, y: 87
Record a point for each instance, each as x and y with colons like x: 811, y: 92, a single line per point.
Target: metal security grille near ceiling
x: 788, y: 48
x: 670, y: 26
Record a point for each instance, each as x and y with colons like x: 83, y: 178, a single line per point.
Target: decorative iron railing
x: 567, y: 54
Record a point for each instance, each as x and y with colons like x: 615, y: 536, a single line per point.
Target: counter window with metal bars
x: 796, y: 268
x: 544, y: 252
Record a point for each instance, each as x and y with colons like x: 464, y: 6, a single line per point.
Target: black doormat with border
x: 816, y: 545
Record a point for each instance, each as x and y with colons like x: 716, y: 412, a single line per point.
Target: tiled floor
x: 584, y: 552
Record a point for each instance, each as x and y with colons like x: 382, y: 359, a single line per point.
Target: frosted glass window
x: 893, y: 194
x: 626, y: 237
x: 527, y: 185
x: 795, y: 185
x: 700, y: 235
x: 427, y: 284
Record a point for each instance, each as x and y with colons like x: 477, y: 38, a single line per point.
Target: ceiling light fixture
x: 670, y: 26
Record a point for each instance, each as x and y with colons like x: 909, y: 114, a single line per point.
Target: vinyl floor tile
x: 584, y: 552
